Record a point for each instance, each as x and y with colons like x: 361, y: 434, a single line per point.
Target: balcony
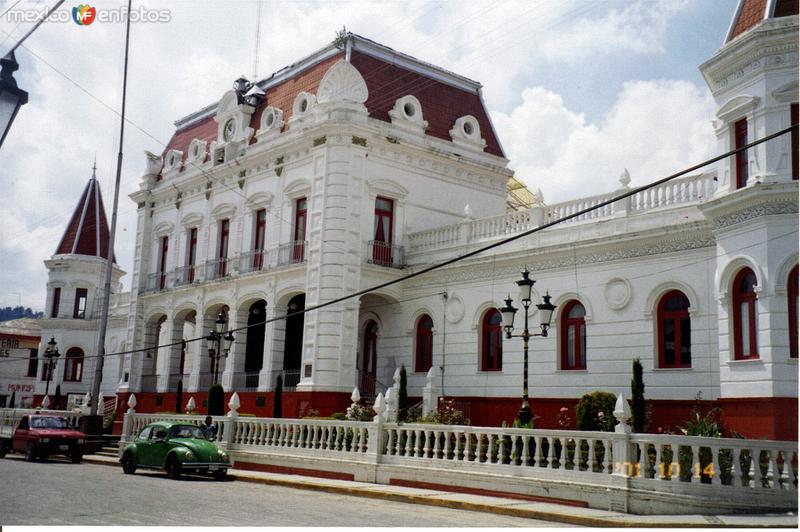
x: 216, y: 269
x: 155, y: 282
x: 292, y: 253
x: 385, y: 254
x: 254, y: 261
x: 184, y: 275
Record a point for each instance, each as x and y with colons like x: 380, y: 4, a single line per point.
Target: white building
x: 356, y: 166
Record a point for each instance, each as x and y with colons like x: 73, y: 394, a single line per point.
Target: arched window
x: 674, y: 331
x: 573, y: 336
x: 492, y: 341
x: 424, y: 343
x: 745, y: 319
x: 73, y: 365
x: 791, y: 286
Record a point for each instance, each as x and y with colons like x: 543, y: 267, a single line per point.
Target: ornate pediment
x: 342, y: 83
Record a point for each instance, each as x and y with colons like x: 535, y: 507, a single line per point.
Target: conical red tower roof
x: 87, y: 232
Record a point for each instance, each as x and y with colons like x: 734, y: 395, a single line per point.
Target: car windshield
x: 186, y: 431
x: 49, y: 423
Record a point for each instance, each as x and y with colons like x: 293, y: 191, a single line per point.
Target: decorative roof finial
x: 94, y: 167
x: 625, y: 178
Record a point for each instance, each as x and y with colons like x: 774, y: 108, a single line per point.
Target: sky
x: 577, y: 90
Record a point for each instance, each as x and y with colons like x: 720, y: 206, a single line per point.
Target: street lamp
x: 51, y: 355
x: 546, y: 310
x: 11, y: 96
x: 215, y: 338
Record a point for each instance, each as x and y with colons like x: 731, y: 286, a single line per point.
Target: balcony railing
x: 246, y: 381
x: 385, y: 254
x: 155, y: 282
x: 184, y: 275
x: 292, y: 253
x: 291, y: 377
x: 216, y: 269
x: 254, y: 261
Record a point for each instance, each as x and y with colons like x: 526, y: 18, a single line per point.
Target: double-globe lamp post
x: 215, y: 338
x: 51, y: 355
x: 546, y: 313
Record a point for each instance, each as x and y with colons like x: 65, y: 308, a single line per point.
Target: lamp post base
x: 524, y: 415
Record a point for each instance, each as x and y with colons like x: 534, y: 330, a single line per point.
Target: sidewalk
x: 535, y: 510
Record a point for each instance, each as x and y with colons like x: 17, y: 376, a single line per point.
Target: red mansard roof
x: 87, y: 232
x: 442, y: 103
x: 750, y: 13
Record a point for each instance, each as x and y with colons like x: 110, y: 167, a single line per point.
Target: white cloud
x: 654, y: 128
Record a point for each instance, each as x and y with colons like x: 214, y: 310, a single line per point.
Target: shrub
x: 402, y: 396
x: 13, y: 399
x: 277, y: 404
x: 357, y: 412
x: 216, y: 400
x: 338, y: 415
x: 179, y: 396
x: 638, y: 404
x: 446, y: 414
x: 57, y: 398
x: 595, y: 411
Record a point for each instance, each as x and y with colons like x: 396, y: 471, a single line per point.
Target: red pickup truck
x: 38, y: 436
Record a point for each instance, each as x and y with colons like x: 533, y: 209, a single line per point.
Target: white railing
x: 722, y: 474
x: 300, y: 434
x: 687, y: 190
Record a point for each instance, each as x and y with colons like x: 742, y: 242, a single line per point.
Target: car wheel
x: 221, y: 474
x: 76, y: 458
x: 128, y: 465
x: 173, y: 468
x: 30, y: 452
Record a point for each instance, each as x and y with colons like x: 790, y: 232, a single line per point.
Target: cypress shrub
x: 638, y: 405
x: 595, y: 411
x: 13, y: 399
x: 57, y: 398
x: 402, y: 396
x: 277, y: 405
x: 216, y: 400
x: 179, y: 397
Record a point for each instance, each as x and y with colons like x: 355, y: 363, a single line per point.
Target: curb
x: 626, y: 521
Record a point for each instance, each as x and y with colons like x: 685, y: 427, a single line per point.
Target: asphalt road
x: 60, y: 493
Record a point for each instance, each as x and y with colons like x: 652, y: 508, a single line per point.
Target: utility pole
x: 101, y: 336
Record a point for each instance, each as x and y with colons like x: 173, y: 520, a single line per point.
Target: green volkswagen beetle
x: 176, y: 448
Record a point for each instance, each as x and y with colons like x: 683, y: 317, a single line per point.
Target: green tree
x: 277, y: 404
x: 595, y: 411
x: 216, y: 400
x: 402, y: 396
x: 57, y: 398
x: 179, y: 397
x: 638, y: 403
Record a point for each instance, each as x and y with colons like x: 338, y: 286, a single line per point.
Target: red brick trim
x: 283, y: 470
x: 485, y: 492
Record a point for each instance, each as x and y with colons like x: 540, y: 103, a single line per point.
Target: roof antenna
x: 94, y: 167
x: 258, y: 40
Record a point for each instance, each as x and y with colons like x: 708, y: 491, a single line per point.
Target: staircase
x: 107, y: 446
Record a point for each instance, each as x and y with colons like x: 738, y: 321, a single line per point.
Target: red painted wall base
x: 762, y: 417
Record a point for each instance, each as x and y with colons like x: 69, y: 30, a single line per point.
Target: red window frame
x: 680, y: 321
x: 576, y: 325
x: 424, y: 347
x: 382, y: 235
x: 740, y: 140
x: 791, y: 293
x: 191, y: 253
x: 79, y: 310
x: 73, y: 365
x: 224, y: 236
x: 56, y: 302
x: 162, y: 263
x: 794, y: 118
x: 300, y: 220
x: 260, y: 234
x: 492, y: 341
x: 744, y: 298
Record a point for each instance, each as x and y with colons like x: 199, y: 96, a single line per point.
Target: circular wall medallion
x: 618, y: 293
x: 230, y: 129
x: 454, y: 311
